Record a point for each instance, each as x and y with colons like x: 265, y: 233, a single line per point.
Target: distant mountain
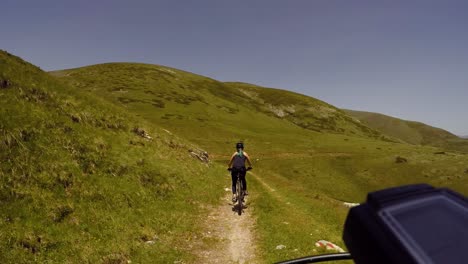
x: 410, y: 131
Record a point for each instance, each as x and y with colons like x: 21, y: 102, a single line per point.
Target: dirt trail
x: 232, y: 234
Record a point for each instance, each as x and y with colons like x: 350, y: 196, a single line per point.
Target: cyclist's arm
x: 248, y: 159
x: 232, y: 160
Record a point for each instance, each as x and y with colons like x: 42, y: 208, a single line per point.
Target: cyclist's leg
x: 244, y: 182
x: 234, y: 179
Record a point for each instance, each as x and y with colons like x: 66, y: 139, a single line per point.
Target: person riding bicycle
x: 237, y: 165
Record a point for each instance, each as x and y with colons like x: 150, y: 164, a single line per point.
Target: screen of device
x: 432, y: 228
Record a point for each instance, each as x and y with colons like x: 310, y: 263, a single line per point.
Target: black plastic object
x: 318, y: 258
x: 411, y: 224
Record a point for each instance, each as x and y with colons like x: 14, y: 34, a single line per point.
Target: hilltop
x: 410, y: 131
x: 177, y: 99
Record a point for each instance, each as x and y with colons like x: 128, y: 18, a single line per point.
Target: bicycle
x: 239, y: 192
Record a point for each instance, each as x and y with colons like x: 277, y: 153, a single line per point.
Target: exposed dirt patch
x: 230, y: 236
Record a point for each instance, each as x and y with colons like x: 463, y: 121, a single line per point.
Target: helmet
x: 240, y: 145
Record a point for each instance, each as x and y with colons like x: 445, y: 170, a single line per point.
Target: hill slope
x: 308, y: 155
x: 304, y: 111
x: 79, y: 183
x: 410, y: 131
x: 176, y: 99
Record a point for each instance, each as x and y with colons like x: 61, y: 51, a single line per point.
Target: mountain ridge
x: 148, y: 84
x: 412, y: 132
x: 316, y: 115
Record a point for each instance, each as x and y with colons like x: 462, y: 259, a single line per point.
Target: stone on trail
x: 200, y: 154
x: 400, y: 160
x: 279, y: 247
x: 350, y: 205
x: 328, y: 245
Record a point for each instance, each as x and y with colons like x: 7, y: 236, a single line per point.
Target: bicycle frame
x: 239, y: 193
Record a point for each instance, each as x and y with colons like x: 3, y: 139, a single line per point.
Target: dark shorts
x: 242, y: 171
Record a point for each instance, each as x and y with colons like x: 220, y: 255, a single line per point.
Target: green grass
x: 303, y: 111
x: 79, y: 185
x: 296, y: 222
x: 306, y: 204
x: 312, y: 154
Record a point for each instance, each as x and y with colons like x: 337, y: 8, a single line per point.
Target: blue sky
x: 407, y: 59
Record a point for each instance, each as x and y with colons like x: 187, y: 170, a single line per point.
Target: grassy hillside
x: 177, y: 99
x: 80, y: 181
x: 410, y: 131
x: 308, y: 155
x: 304, y: 111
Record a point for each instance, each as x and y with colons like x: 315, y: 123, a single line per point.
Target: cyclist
x: 237, y: 165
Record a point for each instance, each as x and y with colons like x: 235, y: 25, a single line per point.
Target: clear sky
x: 407, y: 59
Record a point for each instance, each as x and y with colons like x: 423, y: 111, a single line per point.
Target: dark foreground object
x: 318, y: 258
x: 411, y: 224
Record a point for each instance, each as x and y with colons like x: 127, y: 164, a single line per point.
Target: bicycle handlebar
x: 249, y: 168
x: 318, y: 258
